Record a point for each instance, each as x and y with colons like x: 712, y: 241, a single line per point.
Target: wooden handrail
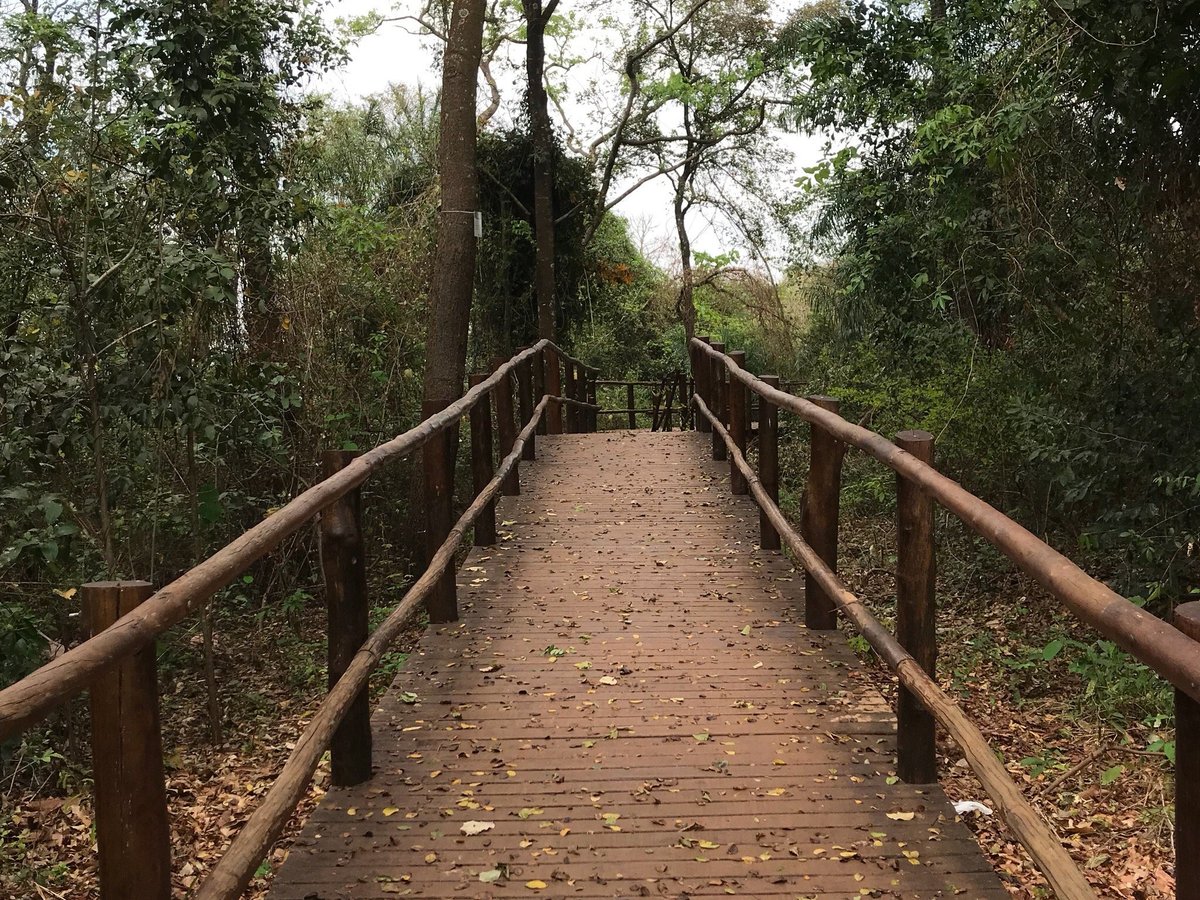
x: 27, y: 701
x: 237, y: 866
x: 1161, y: 646
x: 1032, y: 831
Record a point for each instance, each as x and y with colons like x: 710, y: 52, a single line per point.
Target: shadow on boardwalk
x: 632, y: 707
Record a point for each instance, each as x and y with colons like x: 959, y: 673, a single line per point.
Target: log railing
x: 722, y: 400
x: 117, y: 664
x: 667, y: 402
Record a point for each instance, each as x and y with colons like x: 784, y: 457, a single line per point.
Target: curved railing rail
x: 116, y: 665
x: 722, y: 398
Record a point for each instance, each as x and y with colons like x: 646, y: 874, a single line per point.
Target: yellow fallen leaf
x: 390, y: 810
x: 536, y: 885
x: 901, y: 816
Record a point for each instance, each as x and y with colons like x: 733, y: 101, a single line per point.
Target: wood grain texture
x: 691, y: 739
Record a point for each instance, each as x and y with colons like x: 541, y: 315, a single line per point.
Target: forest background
x: 209, y: 274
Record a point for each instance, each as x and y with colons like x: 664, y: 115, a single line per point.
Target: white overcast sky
x: 395, y: 56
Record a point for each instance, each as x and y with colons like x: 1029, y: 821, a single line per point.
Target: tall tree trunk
x: 685, y: 305
x: 543, y: 162
x: 454, y: 272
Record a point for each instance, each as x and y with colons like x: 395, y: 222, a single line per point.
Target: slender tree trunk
x: 937, y: 9
x: 685, y: 305
x: 264, y: 324
x: 454, y: 272
x: 543, y: 163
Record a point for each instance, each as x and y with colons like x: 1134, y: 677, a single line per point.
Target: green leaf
x: 1108, y: 776
x: 1052, y: 649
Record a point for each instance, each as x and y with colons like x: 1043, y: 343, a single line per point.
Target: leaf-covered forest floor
x: 271, y: 675
x: 1086, y: 768
x: 1083, y: 764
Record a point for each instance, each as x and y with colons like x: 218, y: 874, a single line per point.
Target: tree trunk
x: 685, y: 305
x: 454, y: 272
x: 543, y: 163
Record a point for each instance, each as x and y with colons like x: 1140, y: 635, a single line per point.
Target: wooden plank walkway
x: 632, y: 702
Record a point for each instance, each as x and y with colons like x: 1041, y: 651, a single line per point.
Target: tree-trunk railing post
x: 716, y: 387
x: 1187, y: 772
x: 768, y: 462
x: 737, y: 400
x: 571, y: 392
x: 819, y: 525
x: 629, y: 405
x: 916, y: 613
x: 438, y: 460
x: 593, y: 414
x: 701, y: 373
x: 506, y: 427
x: 343, y: 561
x: 552, y: 381
x: 538, y: 365
x: 525, y: 404
x: 132, y: 827
x: 482, y: 468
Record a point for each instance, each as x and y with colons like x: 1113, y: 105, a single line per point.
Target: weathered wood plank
x: 631, y: 677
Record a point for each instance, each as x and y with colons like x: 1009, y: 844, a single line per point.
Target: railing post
x: 916, y: 613
x: 343, y: 561
x: 701, y: 373
x: 1187, y: 772
x: 525, y: 404
x: 438, y: 461
x: 629, y: 405
x: 538, y: 367
x: 570, y: 392
x: 737, y: 399
x: 768, y: 462
x: 482, y: 469
x: 819, y: 524
x: 506, y: 428
x: 592, y: 414
x: 132, y: 828
x: 716, y: 389
x: 552, y: 379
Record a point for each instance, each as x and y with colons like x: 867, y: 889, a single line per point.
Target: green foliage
x: 1008, y: 234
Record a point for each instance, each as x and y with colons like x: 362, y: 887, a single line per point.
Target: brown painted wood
x: 538, y: 367
x: 132, y: 829
x: 1153, y: 641
x: 738, y: 397
x: 702, y: 373
x: 570, y: 391
x: 822, y: 502
x: 481, y: 463
x: 593, y: 418
x: 916, y: 613
x: 525, y: 403
x: 544, y: 748
x: 768, y: 464
x: 1031, y: 829
x: 1187, y: 771
x: 235, y: 869
x: 552, y: 379
x: 716, y: 389
x: 343, y: 562
x: 31, y: 698
x: 438, y: 469
x: 506, y: 426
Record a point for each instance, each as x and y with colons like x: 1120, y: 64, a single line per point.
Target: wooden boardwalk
x: 632, y: 707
